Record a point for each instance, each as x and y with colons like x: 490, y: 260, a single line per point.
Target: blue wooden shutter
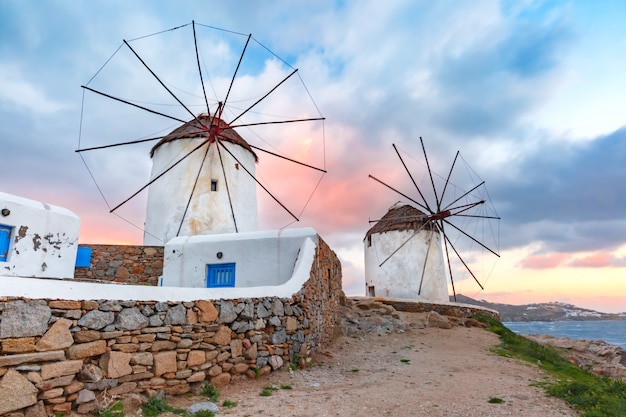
x: 83, y: 257
x: 220, y: 275
x: 5, y: 241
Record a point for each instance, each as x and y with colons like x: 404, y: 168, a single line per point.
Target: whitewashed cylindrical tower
x: 208, y: 191
x: 418, y: 260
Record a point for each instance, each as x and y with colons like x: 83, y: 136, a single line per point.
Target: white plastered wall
x: 209, y: 211
x: 73, y: 290
x: 261, y: 258
x: 44, y: 238
x: 399, y: 277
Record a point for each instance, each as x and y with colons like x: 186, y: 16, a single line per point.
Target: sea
x: 611, y: 331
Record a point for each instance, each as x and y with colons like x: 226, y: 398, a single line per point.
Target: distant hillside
x: 541, y: 312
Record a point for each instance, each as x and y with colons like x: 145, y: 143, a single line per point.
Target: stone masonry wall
x: 62, y: 355
x: 123, y: 264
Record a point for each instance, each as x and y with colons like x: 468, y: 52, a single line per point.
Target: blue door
x: 5, y: 240
x: 220, y: 275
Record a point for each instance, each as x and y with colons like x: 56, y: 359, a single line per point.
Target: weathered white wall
x: 72, y: 290
x: 44, y: 240
x: 265, y: 258
x: 209, y: 211
x: 400, y: 276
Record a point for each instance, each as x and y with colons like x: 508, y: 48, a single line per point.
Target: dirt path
x: 421, y: 372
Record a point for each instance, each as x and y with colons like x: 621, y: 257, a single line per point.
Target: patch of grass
x: 115, y: 410
x: 295, y: 362
x: 267, y: 391
x: 286, y: 387
x: 210, y: 391
x: 157, y: 405
x: 591, y: 395
x: 495, y: 400
x: 405, y: 360
x: 229, y: 404
x: 354, y: 370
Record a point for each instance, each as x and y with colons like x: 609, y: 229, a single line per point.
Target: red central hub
x: 214, y: 131
x: 441, y: 215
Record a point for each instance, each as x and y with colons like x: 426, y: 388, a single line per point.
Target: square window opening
x: 213, y: 185
x: 220, y: 275
x: 5, y: 241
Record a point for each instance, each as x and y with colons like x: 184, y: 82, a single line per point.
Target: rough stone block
x: 19, y: 345
x: 197, y: 377
x: 124, y: 388
x: 236, y: 348
x: 57, y: 337
x: 116, y: 364
x: 86, y: 350
x: 37, y: 410
x: 64, y: 304
x: 55, y: 382
x: 142, y: 358
x: 164, y: 362
x: 220, y: 380
x: 21, y: 319
x: 11, y: 360
x: 222, y: 337
x: 85, y: 336
x: 53, y: 393
x: 196, y: 358
x: 207, y: 313
x: 96, y: 319
x: 16, y: 392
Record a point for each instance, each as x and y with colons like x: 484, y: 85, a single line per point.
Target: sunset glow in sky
x: 532, y: 93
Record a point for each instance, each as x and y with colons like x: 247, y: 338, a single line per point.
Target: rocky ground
x: 596, y: 356
x: 400, y: 364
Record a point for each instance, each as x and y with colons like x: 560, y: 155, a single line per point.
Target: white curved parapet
x: 265, y: 258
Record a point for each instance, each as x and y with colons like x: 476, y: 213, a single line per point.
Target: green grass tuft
x: 115, y: 410
x: 210, y: 391
x: 229, y: 404
x: 495, y: 400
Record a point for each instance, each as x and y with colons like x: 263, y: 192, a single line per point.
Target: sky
x: 532, y: 94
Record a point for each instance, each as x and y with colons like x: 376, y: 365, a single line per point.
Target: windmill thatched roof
x: 195, y: 129
x: 400, y: 217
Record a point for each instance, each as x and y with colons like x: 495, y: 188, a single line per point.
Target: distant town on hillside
x: 553, y: 311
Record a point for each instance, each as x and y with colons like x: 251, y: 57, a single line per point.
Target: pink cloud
x: 547, y: 261
x: 598, y: 260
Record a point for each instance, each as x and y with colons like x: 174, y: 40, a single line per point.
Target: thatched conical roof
x: 195, y: 129
x: 400, y: 216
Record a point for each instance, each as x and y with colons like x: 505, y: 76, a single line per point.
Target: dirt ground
x: 421, y: 372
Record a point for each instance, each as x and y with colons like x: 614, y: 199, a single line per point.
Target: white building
x: 36, y: 239
x: 417, y: 270
x: 238, y: 260
x: 223, y: 187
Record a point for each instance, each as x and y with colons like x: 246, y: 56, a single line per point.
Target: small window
x: 213, y: 185
x: 83, y: 257
x: 5, y: 241
x: 369, y: 240
x: 371, y: 291
x: 220, y: 275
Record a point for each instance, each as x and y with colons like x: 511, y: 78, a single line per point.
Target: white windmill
x: 415, y: 247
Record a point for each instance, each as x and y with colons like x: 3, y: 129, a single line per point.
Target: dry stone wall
x: 62, y: 355
x: 123, y: 264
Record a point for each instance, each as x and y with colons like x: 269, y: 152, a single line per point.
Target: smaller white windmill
x: 421, y: 275
x: 410, y: 252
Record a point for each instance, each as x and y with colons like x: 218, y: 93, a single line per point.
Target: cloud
x: 544, y: 261
x: 598, y: 260
x: 15, y: 91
